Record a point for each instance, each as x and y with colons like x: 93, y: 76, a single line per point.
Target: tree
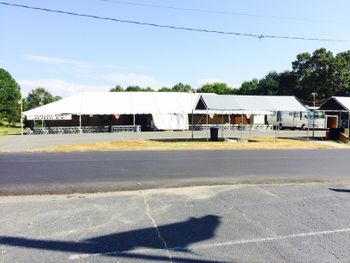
x: 165, y: 89
x: 249, y: 87
x: 217, y: 87
x: 138, y: 89
x: 148, y: 89
x: 117, y: 88
x: 180, y: 87
x: 342, y: 73
x: 315, y: 73
x: 10, y: 96
x: 39, y: 97
x: 287, y: 83
x: 320, y: 72
x: 269, y: 85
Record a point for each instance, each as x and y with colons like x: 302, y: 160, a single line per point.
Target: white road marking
x: 229, y: 243
x: 267, y: 239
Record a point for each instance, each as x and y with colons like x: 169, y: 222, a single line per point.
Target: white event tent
x: 247, y: 104
x: 169, y: 110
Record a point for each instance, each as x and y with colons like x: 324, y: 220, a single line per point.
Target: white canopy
x: 169, y: 109
x: 237, y: 104
x: 107, y: 103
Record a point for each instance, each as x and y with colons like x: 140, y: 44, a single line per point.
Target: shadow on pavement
x: 178, y: 237
x: 340, y: 190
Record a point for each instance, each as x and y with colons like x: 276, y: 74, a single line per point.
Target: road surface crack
x: 150, y: 216
x: 329, y: 251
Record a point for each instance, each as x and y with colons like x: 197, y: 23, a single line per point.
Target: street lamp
x: 314, y: 94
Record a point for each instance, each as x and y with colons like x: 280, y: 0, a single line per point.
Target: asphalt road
x: 41, y: 173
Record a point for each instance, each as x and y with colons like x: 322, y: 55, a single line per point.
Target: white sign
x: 61, y: 116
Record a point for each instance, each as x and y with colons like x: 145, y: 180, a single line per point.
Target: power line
x: 221, y: 12
x: 202, y: 30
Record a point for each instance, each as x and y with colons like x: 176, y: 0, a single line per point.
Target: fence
x: 83, y: 129
x: 232, y: 127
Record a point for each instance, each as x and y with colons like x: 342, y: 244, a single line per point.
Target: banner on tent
x: 61, y: 116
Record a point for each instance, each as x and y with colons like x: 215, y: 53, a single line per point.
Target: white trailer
x: 288, y: 119
x: 297, y: 120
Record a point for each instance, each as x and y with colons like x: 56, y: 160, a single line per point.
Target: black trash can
x: 214, y: 133
x: 334, y: 133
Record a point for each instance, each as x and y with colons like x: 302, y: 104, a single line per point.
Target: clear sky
x: 67, y: 54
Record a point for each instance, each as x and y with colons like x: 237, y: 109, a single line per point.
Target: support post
x: 348, y: 123
x: 276, y: 126
x: 314, y: 94
x: 207, y: 126
x: 241, y: 125
x: 21, y: 105
x: 80, y: 123
x: 222, y: 124
x: 308, y: 126
x: 192, y: 126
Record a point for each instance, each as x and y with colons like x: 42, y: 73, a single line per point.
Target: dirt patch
x: 165, y: 145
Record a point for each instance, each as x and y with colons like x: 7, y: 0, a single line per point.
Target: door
x: 332, y: 121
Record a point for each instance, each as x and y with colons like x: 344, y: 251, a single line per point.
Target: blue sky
x: 67, y: 54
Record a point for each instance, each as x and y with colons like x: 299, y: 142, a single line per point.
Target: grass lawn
x: 9, y: 130
x: 138, y: 145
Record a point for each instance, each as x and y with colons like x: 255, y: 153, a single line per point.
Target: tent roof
x: 106, y: 103
x: 254, y: 104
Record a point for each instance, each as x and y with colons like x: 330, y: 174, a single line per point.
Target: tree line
x: 321, y: 72
x: 11, y: 100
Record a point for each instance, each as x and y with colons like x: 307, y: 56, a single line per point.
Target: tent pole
x: 250, y: 124
x: 21, y: 102
x: 192, y: 126
x: 348, y: 123
x: 222, y: 124
x: 276, y: 126
x: 308, y: 125
x: 207, y: 126
x: 241, y: 125
x: 80, y: 122
x: 229, y: 123
x: 134, y: 121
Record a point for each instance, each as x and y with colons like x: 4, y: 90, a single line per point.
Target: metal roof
x: 251, y: 103
x: 344, y: 101
x: 336, y: 104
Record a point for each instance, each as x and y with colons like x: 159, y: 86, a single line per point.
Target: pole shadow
x: 178, y: 237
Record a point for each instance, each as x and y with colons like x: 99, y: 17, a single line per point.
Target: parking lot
x: 28, y: 142
x: 242, y: 223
